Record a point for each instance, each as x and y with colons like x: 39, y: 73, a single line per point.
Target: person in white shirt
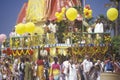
x: 52, y: 27
x: 86, y: 64
x: 72, y: 70
x: 98, y: 65
x: 65, y: 68
x: 98, y: 27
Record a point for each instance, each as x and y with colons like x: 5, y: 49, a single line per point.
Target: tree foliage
x: 116, y: 44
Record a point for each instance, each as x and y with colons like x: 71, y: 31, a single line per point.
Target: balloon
x: 30, y: 27
x: 112, y: 14
x: 20, y: 28
x: 71, y: 14
x: 2, y: 37
x: 39, y: 30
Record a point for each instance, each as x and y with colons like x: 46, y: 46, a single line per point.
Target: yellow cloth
x: 11, y: 67
x: 35, y: 10
x: 56, y: 72
x: 40, y: 72
x: 51, y: 38
x: 53, y: 51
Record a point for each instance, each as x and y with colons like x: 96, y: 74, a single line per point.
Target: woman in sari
x: 40, y: 69
x: 55, y: 69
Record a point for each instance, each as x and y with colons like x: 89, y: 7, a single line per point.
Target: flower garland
x: 87, y: 12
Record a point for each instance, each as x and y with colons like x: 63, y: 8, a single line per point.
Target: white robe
x: 72, y: 72
x: 99, y: 28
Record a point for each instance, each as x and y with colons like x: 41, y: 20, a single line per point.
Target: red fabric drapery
x: 22, y: 14
x: 54, y: 6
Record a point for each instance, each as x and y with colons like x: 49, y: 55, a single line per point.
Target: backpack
x: 109, y: 66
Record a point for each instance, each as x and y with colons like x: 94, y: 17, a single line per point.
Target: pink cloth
x: 56, y: 66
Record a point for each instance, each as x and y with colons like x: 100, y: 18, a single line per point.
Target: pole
x: 83, y: 4
x: 117, y: 26
x: 118, y: 17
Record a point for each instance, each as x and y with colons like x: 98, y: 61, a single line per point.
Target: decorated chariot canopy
x: 59, y: 27
x: 37, y: 10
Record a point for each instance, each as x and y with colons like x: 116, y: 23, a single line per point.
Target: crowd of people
x: 23, y: 68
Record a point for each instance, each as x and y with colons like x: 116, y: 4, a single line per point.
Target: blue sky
x: 9, y: 10
x: 98, y: 6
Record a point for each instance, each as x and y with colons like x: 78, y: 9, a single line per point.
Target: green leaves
x: 116, y: 44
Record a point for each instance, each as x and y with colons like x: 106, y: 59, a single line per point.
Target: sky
x: 9, y: 10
